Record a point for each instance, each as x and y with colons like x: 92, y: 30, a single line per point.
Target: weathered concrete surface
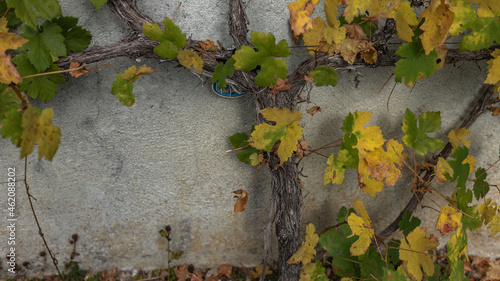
x: 121, y: 174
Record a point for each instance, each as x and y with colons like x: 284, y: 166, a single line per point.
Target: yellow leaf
x: 133, y: 73
x: 494, y: 225
x: 382, y: 164
x: 306, y: 271
x: 335, y: 171
x: 487, y: 211
x: 322, y: 38
x: 39, y: 129
x: 458, y: 135
x: 368, y: 138
x: 438, y: 20
x: 449, y: 220
x: 405, y: 18
x: 414, y: 253
x: 487, y: 8
x: 300, y: 16
x: 286, y: 130
x: 282, y: 117
x: 361, y: 226
x: 442, y: 168
x: 331, y: 11
x: 8, y: 72
x: 190, y: 59
x: 494, y: 70
x: 307, y: 250
x: 471, y: 160
x: 258, y: 271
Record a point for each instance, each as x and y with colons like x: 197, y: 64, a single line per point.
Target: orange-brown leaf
x: 225, y: 270
x: 313, y: 110
x: 79, y: 72
x: 208, y: 45
x: 279, y: 86
x: 241, y: 201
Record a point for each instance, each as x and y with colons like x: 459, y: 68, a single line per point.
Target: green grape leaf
x: 393, y: 275
x: 170, y: 40
x: 481, y: 187
x: 415, y: 64
x: 12, y: 20
x: 30, y: 10
x: 247, y: 58
x: 76, y: 38
x: 456, y: 247
x: 39, y: 129
x: 407, y: 225
x: 371, y: 264
x: 124, y: 90
x: 98, y: 3
x: 324, y: 76
x: 222, y: 71
x: 286, y: 130
x: 484, y: 32
x: 240, y: 140
x: 123, y: 85
x: 349, y: 143
x: 44, y: 44
x: 416, y: 137
x: 461, y: 169
x: 393, y: 253
x: 40, y: 87
x: 12, y: 126
x: 337, y: 244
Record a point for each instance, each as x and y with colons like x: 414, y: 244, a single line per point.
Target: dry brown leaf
x: 481, y: 265
x: 8, y: 71
x: 300, y: 148
x: 494, y: 271
x: 208, y: 45
x: 77, y: 73
x: 495, y: 111
x: 354, y: 31
x: 241, y: 201
x: 280, y: 86
x: 308, y: 79
x: 183, y: 274
x: 313, y: 110
x: 108, y: 275
x: 256, y: 272
x: 226, y: 270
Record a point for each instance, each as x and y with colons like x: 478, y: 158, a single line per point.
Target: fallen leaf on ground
x: 313, y: 110
x: 241, y: 201
x: 226, y: 270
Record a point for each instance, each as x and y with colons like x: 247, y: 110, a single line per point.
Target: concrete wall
x: 121, y: 174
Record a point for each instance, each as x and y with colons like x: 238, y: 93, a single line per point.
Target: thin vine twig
x: 40, y: 232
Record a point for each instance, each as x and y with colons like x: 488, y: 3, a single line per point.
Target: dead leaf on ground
x: 313, y: 110
x: 226, y: 270
x: 77, y: 73
x: 308, y: 79
x: 183, y: 273
x: 108, y: 275
x: 241, y: 201
x: 258, y: 270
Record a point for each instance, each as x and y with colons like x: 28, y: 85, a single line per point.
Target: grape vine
x: 30, y: 69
